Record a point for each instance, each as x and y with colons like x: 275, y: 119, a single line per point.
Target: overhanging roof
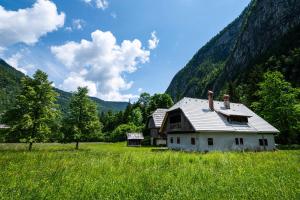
x: 203, y: 119
x: 135, y: 136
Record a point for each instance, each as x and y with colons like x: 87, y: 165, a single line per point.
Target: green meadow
x: 114, y: 171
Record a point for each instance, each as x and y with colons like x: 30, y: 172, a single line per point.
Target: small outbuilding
x: 4, y: 126
x: 134, y: 139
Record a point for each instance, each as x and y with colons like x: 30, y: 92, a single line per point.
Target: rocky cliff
x: 265, y: 28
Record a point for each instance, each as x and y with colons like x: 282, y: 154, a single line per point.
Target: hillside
x: 266, y: 31
x: 10, y: 86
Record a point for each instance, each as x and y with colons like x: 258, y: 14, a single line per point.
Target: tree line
x: 35, y: 116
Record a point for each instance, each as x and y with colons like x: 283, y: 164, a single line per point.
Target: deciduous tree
x: 35, y: 110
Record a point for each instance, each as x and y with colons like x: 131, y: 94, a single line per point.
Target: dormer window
x: 234, y: 116
x: 237, y: 119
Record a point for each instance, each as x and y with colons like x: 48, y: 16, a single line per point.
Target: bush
x: 119, y: 134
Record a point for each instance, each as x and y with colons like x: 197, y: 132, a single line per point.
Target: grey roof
x: 135, y: 136
x: 203, y: 119
x: 158, y: 116
x: 3, y: 126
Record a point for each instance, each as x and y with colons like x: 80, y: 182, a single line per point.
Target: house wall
x: 221, y: 141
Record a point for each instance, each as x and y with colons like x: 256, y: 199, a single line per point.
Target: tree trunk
x: 77, y: 145
x: 30, y: 146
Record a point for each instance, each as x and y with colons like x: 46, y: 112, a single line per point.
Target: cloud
x: 153, y: 41
x: 14, y: 62
x: 28, y: 25
x: 76, y: 80
x: 113, y: 15
x: 101, y: 4
x: 69, y: 29
x: 140, y: 89
x: 103, y: 62
x: 78, y: 24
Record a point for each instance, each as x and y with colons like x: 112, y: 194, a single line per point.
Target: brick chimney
x: 211, y: 100
x: 226, y: 101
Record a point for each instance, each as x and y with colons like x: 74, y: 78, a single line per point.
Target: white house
x: 208, y: 125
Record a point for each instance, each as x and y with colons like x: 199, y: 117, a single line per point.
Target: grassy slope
x: 113, y: 171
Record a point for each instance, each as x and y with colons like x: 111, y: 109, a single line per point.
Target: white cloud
x: 69, y: 29
x: 101, y: 4
x: 140, y: 89
x: 14, y: 62
x: 78, y: 24
x: 103, y: 62
x: 76, y: 80
x: 28, y: 25
x: 153, y: 41
x: 113, y: 15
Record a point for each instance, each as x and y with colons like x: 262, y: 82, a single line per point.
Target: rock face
x: 261, y: 31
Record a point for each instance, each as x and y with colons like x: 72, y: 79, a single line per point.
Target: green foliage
x: 10, y: 80
x: 279, y: 104
x: 114, y: 171
x: 135, y: 114
x: 159, y: 101
x: 82, y: 121
x: 35, y: 110
x: 119, y: 134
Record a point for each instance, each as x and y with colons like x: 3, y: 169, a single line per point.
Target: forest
x: 36, y: 117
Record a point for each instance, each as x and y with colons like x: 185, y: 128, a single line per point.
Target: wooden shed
x: 134, y: 139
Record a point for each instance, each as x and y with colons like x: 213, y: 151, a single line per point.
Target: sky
x: 116, y: 48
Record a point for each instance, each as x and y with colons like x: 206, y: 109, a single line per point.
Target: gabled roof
x: 135, y: 136
x: 158, y: 116
x: 203, y: 119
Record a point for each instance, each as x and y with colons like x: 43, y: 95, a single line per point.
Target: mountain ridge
x: 10, y: 80
x: 264, y: 29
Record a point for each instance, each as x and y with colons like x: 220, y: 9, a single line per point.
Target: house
x: 134, y: 139
x: 154, y: 123
x: 208, y: 125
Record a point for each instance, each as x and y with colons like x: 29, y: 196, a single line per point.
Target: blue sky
x: 118, y: 63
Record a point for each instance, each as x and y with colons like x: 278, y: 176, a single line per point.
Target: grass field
x: 114, y: 171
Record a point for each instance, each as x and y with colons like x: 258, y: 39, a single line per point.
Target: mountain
x: 10, y: 80
x: 266, y: 36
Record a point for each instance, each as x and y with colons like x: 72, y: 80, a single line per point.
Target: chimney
x: 226, y: 101
x: 211, y: 100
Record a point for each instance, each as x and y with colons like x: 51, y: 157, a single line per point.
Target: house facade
x: 208, y: 125
x: 154, y: 124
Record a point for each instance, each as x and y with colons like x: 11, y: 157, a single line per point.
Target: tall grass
x: 114, y: 171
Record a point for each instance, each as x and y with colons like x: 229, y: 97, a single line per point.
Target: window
x: 263, y: 142
x: 237, y: 119
x: 171, y: 140
x: 210, y: 141
x: 193, y: 141
x: 239, y: 141
x: 178, y: 140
